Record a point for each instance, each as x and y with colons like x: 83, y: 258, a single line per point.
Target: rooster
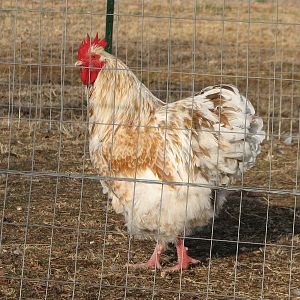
x: 169, y: 158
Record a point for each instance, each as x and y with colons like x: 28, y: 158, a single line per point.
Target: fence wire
x: 59, y: 236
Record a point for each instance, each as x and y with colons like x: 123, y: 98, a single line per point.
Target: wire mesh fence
x: 60, y: 237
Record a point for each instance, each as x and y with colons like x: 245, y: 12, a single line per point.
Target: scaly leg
x: 183, y: 259
x: 153, y: 261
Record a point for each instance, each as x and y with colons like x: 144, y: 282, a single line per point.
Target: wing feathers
x: 213, y: 136
x: 226, y: 136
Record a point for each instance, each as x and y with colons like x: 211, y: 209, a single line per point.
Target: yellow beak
x: 78, y: 63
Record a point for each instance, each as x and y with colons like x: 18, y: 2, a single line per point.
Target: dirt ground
x: 60, y: 237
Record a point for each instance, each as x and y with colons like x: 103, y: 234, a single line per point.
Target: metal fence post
x: 109, y: 24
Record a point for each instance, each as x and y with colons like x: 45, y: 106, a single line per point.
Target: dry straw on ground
x: 68, y: 224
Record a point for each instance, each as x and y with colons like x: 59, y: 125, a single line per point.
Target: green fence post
x: 109, y: 24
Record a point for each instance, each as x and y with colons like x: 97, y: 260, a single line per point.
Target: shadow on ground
x: 259, y: 224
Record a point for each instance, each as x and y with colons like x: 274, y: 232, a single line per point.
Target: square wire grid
x: 59, y: 236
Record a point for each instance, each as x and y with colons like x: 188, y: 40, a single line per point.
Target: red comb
x: 86, y: 44
x: 101, y: 43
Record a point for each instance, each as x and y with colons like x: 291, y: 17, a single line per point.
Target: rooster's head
x: 89, y: 58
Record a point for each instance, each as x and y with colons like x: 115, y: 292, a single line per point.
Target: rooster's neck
x: 119, y: 98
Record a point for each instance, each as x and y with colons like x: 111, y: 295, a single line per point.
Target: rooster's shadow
x: 253, y: 224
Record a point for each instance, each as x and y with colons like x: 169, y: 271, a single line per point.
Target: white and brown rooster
x: 207, y: 140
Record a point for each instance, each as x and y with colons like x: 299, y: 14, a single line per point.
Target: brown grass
x: 32, y: 96
x: 261, y: 58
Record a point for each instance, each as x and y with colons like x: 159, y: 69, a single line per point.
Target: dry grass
x: 32, y: 95
x: 261, y: 58
x: 88, y: 212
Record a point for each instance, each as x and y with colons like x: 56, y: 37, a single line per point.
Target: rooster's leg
x: 183, y: 259
x: 153, y: 261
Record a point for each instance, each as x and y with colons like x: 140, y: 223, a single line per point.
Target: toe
x: 193, y: 261
x: 146, y: 265
x: 171, y: 269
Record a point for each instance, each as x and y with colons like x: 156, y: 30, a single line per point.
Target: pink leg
x: 183, y: 259
x: 153, y: 261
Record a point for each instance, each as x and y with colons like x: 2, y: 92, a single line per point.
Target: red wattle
x: 89, y: 74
